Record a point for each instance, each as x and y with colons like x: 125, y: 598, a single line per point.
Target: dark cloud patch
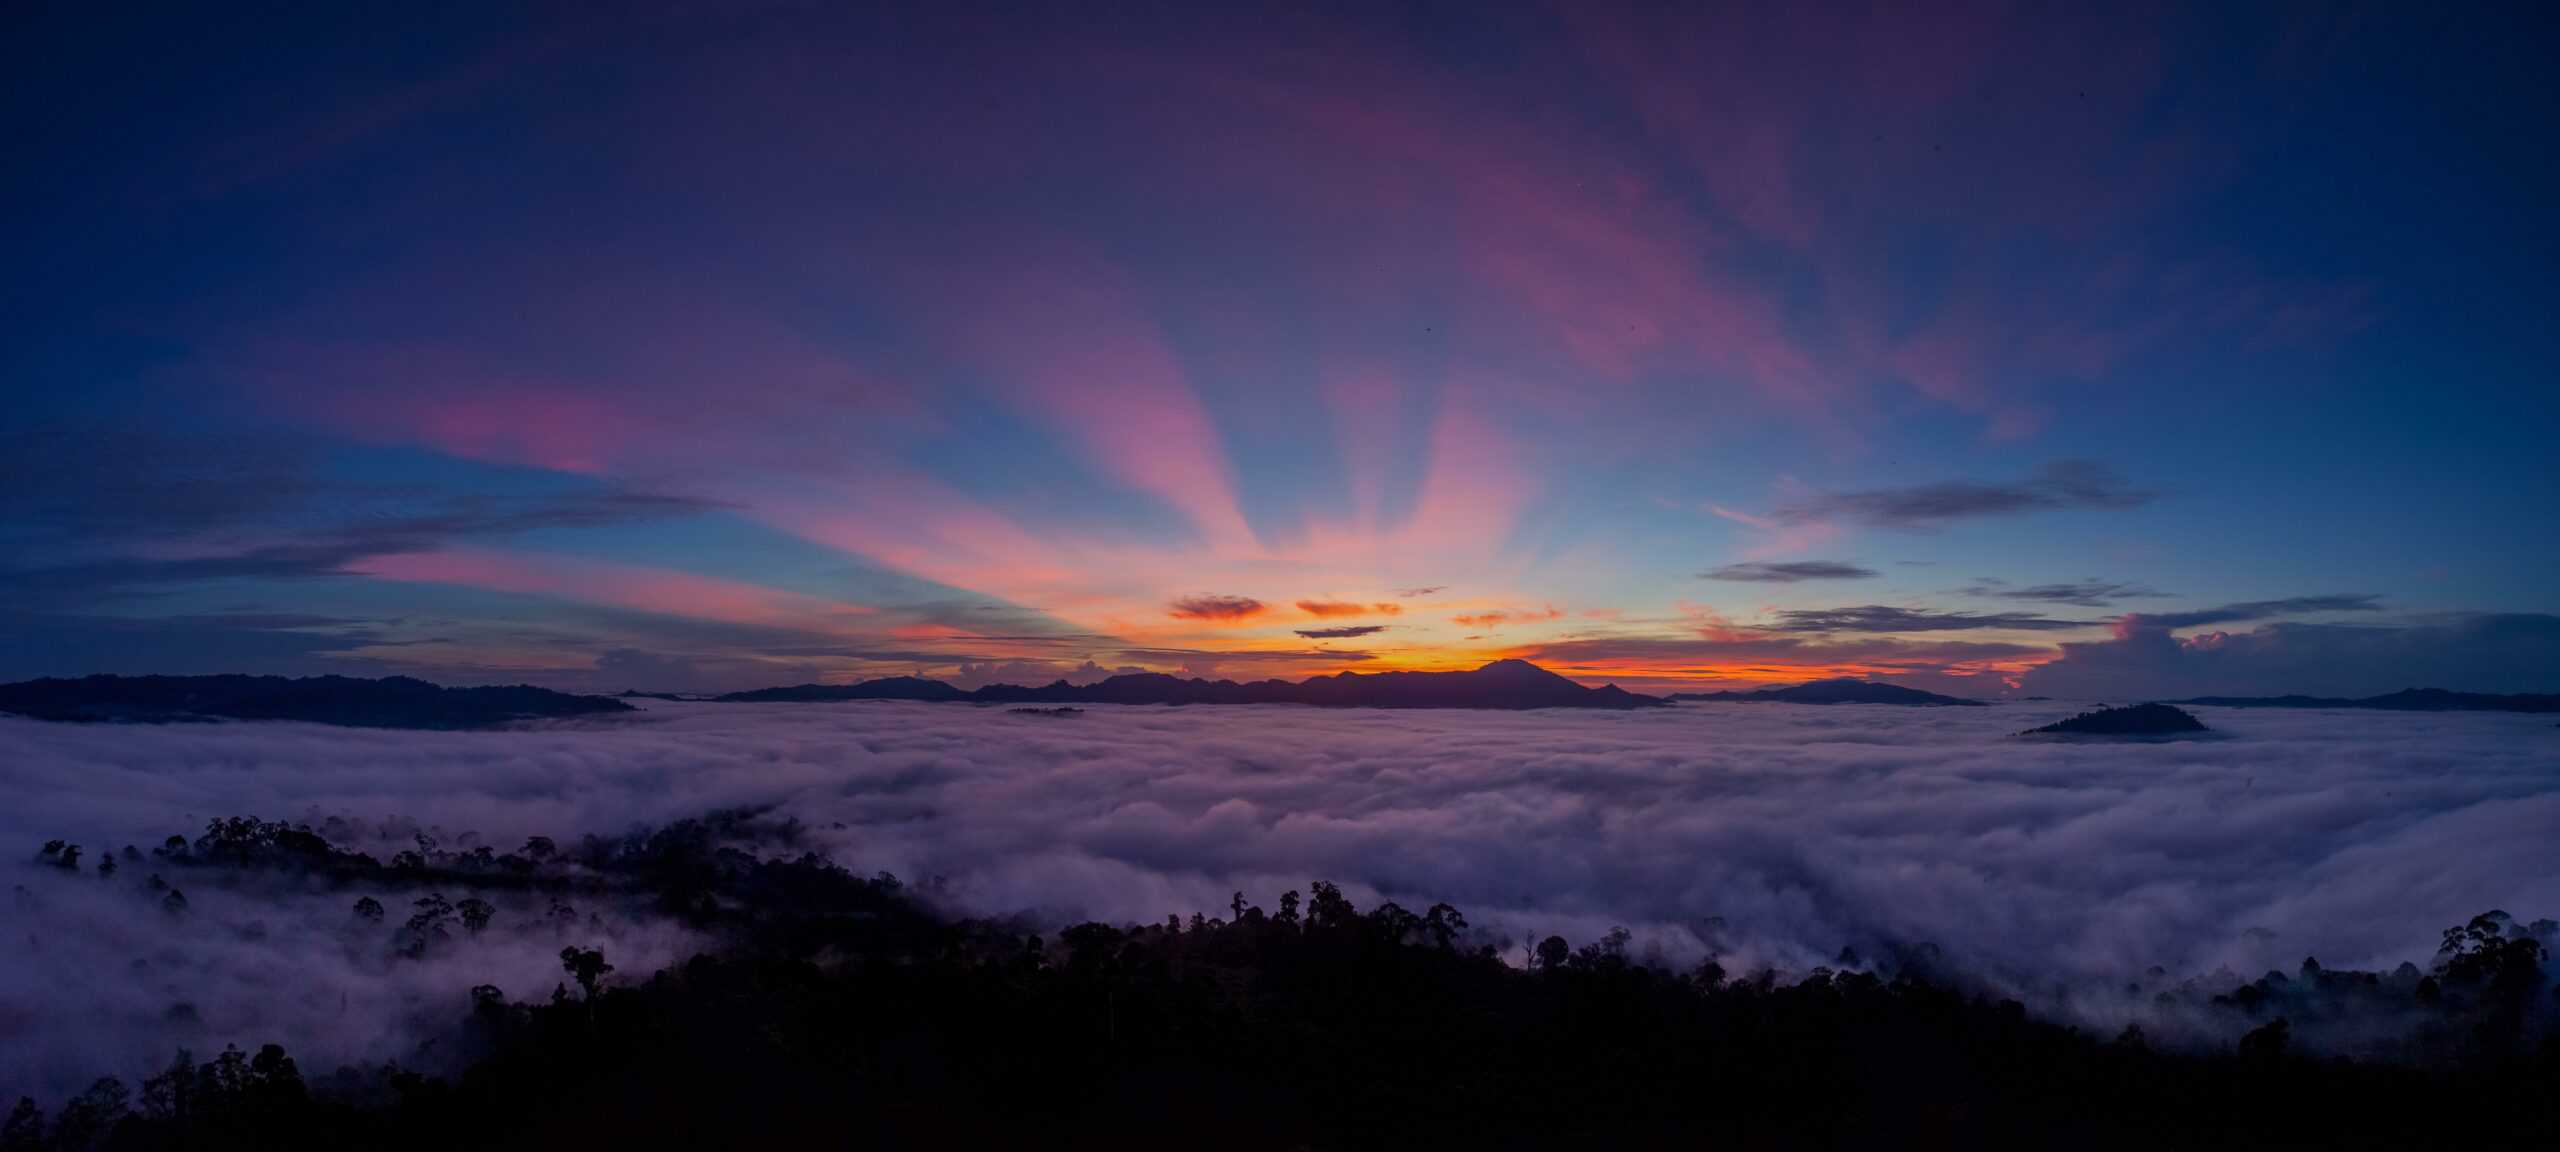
x: 1925, y: 507
x: 1788, y: 572
x: 2083, y: 593
x: 1880, y: 618
x: 1426, y: 590
x: 328, y: 549
x: 2254, y: 610
x: 1197, y: 658
x: 1343, y: 633
x: 1219, y: 608
x: 2472, y: 652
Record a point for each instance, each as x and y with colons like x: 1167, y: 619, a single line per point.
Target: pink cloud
x: 656, y: 590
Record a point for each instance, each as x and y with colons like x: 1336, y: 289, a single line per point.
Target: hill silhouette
x: 354, y: 702
x: 1844, y: 690
x: 2404, y: 700
x: 1503, y: 684
x: 2138, y: 720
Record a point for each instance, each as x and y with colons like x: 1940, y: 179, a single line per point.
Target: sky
x: 1982, y: 348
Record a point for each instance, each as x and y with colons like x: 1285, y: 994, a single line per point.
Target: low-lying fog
x: 1768, y: 834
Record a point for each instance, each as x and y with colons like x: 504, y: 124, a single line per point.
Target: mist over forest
x: 2101, y: 884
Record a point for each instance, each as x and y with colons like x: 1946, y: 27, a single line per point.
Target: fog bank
x: 1767, y: 834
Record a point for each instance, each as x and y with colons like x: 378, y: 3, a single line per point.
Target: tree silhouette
x: 1442, y: 925
x: 1326, y: 907
x: 87, y: 1118
x: 368, y: 908
x: 24, y: 1130
x: 586, y: 966
x: 2267, y: 1042
x: 427, y: 925
x: 475, y: 913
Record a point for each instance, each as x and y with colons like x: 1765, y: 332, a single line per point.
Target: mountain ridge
x: 2404, y: 700
x: 1500, y: 685
x: 346, y: 701
x: 1839, y: 690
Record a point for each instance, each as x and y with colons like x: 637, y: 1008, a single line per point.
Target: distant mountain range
x: 2405, y: 700
x: 1842, y: 691
x: 391, y: 702
x: 1506, y: 684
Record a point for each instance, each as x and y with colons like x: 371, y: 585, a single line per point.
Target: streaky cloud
x: 2080, y: 593
x: 2063, y: 484
x: 1885, y: 619
x: 1342, y: 633
x: 1787, y: 571
x: 2255, y: 610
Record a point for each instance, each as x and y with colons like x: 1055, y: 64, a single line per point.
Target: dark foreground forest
x: 839, y: 1009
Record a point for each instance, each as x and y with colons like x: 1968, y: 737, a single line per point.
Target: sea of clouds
x: 1762, y: 834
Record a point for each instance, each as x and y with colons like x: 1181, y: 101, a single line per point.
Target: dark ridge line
x: 1503, y: 684
x: 347, y: 701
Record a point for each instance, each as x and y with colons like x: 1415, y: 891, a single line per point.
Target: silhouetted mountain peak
x: 1520, y: 672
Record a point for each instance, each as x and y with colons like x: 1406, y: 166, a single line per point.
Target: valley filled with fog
x: 1762, y: 835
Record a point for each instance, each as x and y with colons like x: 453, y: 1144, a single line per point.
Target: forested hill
x: 835, y: 1009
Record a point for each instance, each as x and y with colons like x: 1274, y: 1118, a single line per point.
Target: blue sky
x: 2120, y: 353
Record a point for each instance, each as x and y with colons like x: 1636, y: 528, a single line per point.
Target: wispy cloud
x: 1496, y: 619
x: 2083, y: 593
x: 2251, y: 610
x: 2062, y: 484
x: 1882, y: 619
x: 1787, y: 572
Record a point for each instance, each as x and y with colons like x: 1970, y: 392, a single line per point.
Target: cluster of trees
x: 839, y: 1009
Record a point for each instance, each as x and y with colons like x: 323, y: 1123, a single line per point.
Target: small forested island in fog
x: 2137, y: 720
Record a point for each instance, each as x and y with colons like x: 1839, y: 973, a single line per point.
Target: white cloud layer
x: 1769, y: 833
